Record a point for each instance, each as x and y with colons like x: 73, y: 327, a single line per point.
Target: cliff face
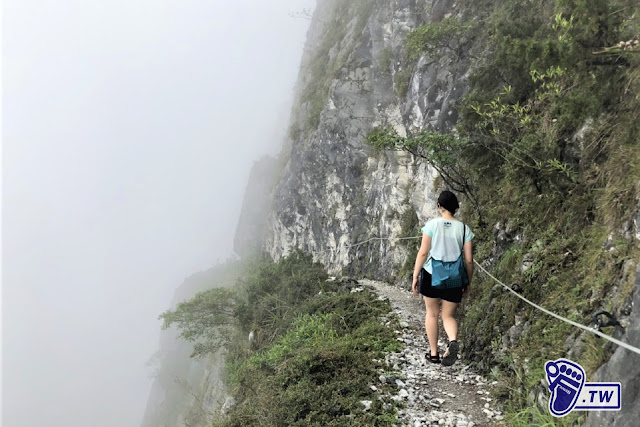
x: 333, y: 190
x: 252, y: 224
x: 329, y: 191
x: 186, y: 391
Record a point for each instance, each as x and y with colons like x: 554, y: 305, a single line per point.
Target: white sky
x: 129, y: 127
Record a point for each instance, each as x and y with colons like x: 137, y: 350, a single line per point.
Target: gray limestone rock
x: 366, y: 405
x: 623, y: 367
x: 228, y: 405
x: 334, y: 192
x: 252, y: 223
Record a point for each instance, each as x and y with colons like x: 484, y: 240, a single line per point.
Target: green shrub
x: 317, y: 347
x: 305, y: 331
x: 386, y: 58
x: 320, y: 369
x: 437, y: 38
x: 401, y: 80
x: 271, y: 292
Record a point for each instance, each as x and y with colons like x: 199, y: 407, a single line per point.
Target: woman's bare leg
x: 431, y: 322
x: 449, y: 320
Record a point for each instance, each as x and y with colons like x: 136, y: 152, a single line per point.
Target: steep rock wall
x: 252, y: 223
x: 334, y: 191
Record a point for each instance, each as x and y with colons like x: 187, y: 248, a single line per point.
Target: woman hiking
x: 444, y: 241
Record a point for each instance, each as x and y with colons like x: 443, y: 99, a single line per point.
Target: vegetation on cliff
x: 546, y: 149
x: 315, y: 348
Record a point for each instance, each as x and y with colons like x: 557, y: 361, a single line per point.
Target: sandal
x: 451, y: 355
x: 432, y: 359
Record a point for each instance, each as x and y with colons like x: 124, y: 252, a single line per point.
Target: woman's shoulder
x: 431, y: 226
x: 433, y: 223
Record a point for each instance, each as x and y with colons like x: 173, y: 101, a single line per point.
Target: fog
x: 129, y: 129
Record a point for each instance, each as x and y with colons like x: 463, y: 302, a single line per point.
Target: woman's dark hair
x: 449, y: 201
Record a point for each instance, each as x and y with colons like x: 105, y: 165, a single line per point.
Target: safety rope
x: 355, y: 245
x: 544, y: 310
x: 381, y: 238
x: 557, y: 316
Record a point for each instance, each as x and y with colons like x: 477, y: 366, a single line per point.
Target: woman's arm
x: 421, y: 258
x: 468, y: 264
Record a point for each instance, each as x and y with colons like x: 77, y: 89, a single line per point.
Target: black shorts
x: 451, y: 295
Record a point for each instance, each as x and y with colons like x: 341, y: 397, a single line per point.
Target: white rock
x: 373, y: 388
x: 403, y: 393
x: 229, y: 404
x: 366, y: 404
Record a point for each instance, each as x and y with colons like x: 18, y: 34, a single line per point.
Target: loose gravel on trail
x: 433, y: 394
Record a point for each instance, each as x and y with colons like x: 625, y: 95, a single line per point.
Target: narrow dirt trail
x: 433, y: 394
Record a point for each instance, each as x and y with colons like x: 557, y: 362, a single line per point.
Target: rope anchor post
x: 602, y: 319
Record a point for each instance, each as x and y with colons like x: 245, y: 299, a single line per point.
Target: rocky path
x: 433, y: 394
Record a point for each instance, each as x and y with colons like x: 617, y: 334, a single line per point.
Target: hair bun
x: 449, y: 201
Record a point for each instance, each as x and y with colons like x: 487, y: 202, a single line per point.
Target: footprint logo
x: 565, y: 379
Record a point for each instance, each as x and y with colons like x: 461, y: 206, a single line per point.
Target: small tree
x: 207, y: 320
x: 443, y: 152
